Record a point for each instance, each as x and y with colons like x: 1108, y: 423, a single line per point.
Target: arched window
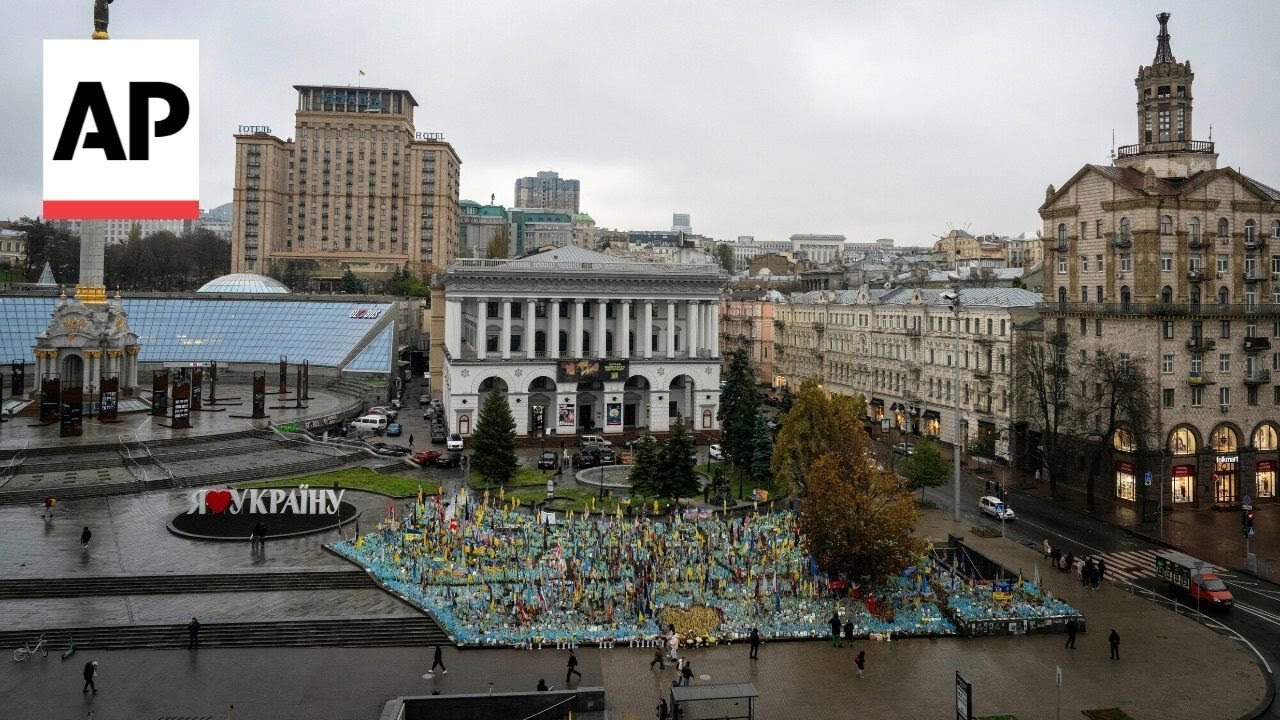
x: 1224, y: 295
x: 1166, y: 225
x: 1166, y: 294
x: 1223, y: 439
x: 1275, y: 228
x: 1193, y: 228
x: 540, y: 342
x: 1250, y: 231
x: 1124, y: 229
x: 564, y: 342
x: 1264, y: 438
x: 1062, y: 233
x: 1122, y: 440
x: 1124, y: 296
x: 1223, y: 227
x: 1062, y: 297
x: 1182, y: 441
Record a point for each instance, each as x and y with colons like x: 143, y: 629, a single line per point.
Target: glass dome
x: 244, y: 283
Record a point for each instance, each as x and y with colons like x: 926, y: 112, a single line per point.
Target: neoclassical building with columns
x: 579, y: 341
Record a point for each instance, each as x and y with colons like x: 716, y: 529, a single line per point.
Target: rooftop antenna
x: 1113, y: 146
x: 1210, y: 132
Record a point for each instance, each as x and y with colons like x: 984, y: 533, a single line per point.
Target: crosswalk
x: 1134, y: 564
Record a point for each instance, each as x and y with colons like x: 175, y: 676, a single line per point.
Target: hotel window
x: 1166, y: 363
x: 1062, y: 266
x: 1224, y: 262
x: 1167, y: 394
x: 1250, y: 231
x: 1166, y: 225
x: 1084, y: 263
x: 1224, y: 362
x: 1193, y: 229
x: 1126, y: 262
x: 1098, y: 262
x: 1197, y: 396
x: 1166, y: 262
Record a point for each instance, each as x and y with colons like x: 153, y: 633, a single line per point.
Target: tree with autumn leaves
x: 857, y: 518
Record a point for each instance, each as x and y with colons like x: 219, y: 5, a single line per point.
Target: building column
x: 646, y: 328
x: 553, y: 336
x: 713, y: 329
x: 575, y: 339
x: 691, y: 328
x: 601, y: 308
x: 482, y: 328
x: 453, y: 327
x: 671, y: 330
x: 504, y: 340
x: 131, y: 358
x: 530, y: 328
x: 624, y: 330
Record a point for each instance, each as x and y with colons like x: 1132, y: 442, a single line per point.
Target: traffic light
x: 1248, y: 523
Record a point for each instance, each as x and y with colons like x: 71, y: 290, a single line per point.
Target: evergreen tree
x: 351, y: 283
x: 761, y: 454
x: 678, y: 478
x: 739, y: 408
x: 786, y: 400
x: 646, y: 471
x: 925, y: 467
x: 494, y: 440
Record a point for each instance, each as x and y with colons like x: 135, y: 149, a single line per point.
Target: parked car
x: 454, y: 442
x: 903, y: 448
x: 430, y: 412
x: 587, y: 440
x: 369, y: 424
x: 586, y: 458
x: 424, y: 399
x: 438, y: 435
x: 548, y: 461
x: 634, y: 443
x: 453, y: 458
x: 606, y: 454
x: 383, y: 410
x: 394, y: 430
x: 996, y: 508
x: 388, y: 449
x: 715, y: 452
x: 426, y: 457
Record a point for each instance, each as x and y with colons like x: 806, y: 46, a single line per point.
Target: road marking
x: 1134, y: 564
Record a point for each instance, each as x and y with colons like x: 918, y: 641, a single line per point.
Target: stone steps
x: 111, y: 585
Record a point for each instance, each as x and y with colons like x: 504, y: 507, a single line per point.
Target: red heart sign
x: 217, y: 500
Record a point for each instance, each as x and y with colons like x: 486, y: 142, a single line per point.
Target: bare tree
x: 1040, y: 378
x: 1115, y: 394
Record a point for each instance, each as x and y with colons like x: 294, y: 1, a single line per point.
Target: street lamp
x: 953, y: 298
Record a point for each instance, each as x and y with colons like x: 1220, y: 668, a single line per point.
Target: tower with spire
x: 1165, y: 145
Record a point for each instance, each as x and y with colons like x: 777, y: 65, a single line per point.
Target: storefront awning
x: 932, y: 415
x: 877, y: 401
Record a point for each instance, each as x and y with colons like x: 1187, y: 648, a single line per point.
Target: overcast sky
x: 881, y: 119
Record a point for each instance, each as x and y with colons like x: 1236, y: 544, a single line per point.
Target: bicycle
x: 27, y: 651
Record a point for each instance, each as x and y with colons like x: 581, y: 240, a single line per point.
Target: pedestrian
x: 1037, y: 476
x: 438, y: 660
x: 410, y: 439
x: 686, y: 673
x: 755, y: 643
x: 572, y: 666
x: 1054, y: 555
x: 193, y: 634
x: 673, y: 642
x: 90, y: 672
x: 1102, y: 570
x: 84, y: 538
x: 835, y: 629
x: 663, y: 712
x: 848, y: 631
x: 542, y: 685
x: 1071, y: 634
x: 1114, y: 640
x: 989, y: 486
x: 861, y: 662
x: 657, y: 658
x: 48, y: 508
x: 1048, y: 548
x: 1086, y: 574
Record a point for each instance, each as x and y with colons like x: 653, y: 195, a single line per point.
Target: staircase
x: 67, y: 587
x: 377, y: 632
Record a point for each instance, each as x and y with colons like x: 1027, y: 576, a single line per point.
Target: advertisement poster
x: 259, y: 394
x: 49, y: 397
x: 284, y: 375
x: 19, y: 376
x: 182, y: 402
x: 160, y: 393
x: 72, y: 412
x: 197, y: 385
x: 109, y: 400
x: 613, y: 414
x: 592, y: 370
x: 566, y: 415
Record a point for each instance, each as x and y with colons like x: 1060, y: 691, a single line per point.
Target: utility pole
x: 955, y: 308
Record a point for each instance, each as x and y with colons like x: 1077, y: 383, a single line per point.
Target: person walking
x: 657, y: 658
x: 663, y: 712
x: 193, y: 634
x: 686, y: 673
x: 572, y: 667
x: 438, y: 660
x: 835, y: 629
x: 1071, y: 634
x: 1048, y: 548
x: 755, y: 643
x: 85, y: 537
x: 90, y: 672
x: 48, y: 509
x: 861, y: 662
x: 848, y: 632
x: 1102, y: 571
x: 1114, y: 640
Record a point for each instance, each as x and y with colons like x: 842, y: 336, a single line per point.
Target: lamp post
x: 955, y: 308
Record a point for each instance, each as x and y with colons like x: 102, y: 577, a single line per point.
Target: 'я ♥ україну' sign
x: 297, y: 501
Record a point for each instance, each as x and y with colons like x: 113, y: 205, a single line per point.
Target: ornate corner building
x: 1174, y: 261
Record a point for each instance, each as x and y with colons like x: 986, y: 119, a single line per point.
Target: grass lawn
x: 524, y: 477
x: 359, y: 478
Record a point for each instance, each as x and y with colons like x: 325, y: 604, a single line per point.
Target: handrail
x: 129, y: 458
x: 8, y: 472
x: 549, y: 708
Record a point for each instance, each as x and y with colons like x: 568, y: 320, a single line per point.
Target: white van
x: 996, y: 508
x: 370, y: 423
x: 587, y: 440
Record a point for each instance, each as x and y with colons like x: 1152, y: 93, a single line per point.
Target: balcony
x: 984, y: 339
x: 1059, y: 246
x: 1057, y: 338
x: 982, y: 373
x: 1180, y: 309
x: 1198, y: 242
x: 913, y: 332
x: 1117, y: 240
x: 1197, y: 378
x: 1258, y: 377
x: 1256, y: 344
x: 1197, y: 276
x: 1255, y: 243
x: 1179, y: 146
x: 1253, y: 276
x: 1200, y: 344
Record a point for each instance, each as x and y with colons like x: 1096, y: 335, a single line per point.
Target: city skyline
x: 827, y: 119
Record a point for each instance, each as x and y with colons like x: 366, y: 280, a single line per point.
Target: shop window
x: 1264, y: 438
x: 1223, y: 439
x: 1184, y: 485
x: 1182, y: 441
x: 1265, y: 483
x: 1126, y: 487
x: 1123, y: 441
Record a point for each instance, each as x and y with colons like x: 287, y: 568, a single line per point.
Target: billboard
x: 160, y: 393
x: 259, y: 394
x: 19, y: 377
x: 284, y: 376
x: 566, y: 415
x: 182, y: 402
x: 109, y: 400
x: 72, y: 414
x: 613, y: 414
x: 586, y: 370
x: 50, y: 390
x: 197, y: 385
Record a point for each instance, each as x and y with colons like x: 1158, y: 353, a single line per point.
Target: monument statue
x: 101, y: 15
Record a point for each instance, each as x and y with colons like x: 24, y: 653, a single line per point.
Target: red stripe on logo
x: 121, y: 209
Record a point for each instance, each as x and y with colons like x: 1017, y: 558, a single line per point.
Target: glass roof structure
x: 332, y: 334
x: 244, y: 283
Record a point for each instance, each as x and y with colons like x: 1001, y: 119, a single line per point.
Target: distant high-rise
x: 548, y: 191
x: 680, y: 223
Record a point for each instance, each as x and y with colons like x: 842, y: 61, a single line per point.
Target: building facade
x: 13, y: 248
x: 478, y: 225
x: 115, y: 232
x: 746, y: 323
x: 1175, y: 263
x: 548, y: 191
x: 579, y: 341
x: 529, y: 230
x: 358, y: 187
x: 897, y: 350
x: 818, y: 249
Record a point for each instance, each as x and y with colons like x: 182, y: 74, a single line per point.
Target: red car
x: 425, y: 457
